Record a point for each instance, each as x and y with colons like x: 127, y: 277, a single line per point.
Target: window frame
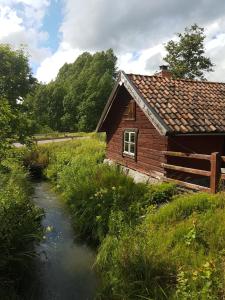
x: 129, y: 142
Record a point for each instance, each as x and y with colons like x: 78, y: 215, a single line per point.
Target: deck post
x: 215, y: 162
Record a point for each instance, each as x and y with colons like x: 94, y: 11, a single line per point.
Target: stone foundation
x: 155, y: 177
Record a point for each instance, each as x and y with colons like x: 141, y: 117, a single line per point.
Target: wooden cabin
x: 147, y: 118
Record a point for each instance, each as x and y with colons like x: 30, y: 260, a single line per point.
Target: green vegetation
x: 72, y: 102
x: 75, y: 100
x: 20, y: 228
x: 16, y: 82
x: 93, y: 190
x: 56, y: 134
x: 186, y: 57
x: 177, y: 252
x: 152, y: 242
x: 16, y: 79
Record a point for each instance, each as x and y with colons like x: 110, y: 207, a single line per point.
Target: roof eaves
x: 200, y: 133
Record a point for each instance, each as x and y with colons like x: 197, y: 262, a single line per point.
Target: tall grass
x: 20, y: 228
x: 177, y: 252
x: 152, y: 243
x: 94, y: 191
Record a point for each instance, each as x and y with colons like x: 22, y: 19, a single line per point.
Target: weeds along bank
x: 92, y: 190
x: 20, y: 228
x: 152, y: 243
x: 176, y: 252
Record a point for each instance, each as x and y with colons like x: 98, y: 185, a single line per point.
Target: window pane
x: 126, y: 147
x: 126, y: 136
x: 132, y: 148
x: 132, y: 137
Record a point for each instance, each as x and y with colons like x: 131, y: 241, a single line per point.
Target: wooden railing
x: 214, y: 173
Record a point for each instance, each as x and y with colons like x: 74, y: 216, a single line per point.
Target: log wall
x: 149, y: 142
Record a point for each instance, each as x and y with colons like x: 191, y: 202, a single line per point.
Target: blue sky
x: 51, y: 24
x: 57, y: 31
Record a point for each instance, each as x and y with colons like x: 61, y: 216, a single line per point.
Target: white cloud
x: 132, y: 25
x: 50, y: 66
x: 143, y: 62
x: 136, y: 30
x: 21, y: 20
x: 9, y: 21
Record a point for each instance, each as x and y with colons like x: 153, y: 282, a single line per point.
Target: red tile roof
x: 185, y: 106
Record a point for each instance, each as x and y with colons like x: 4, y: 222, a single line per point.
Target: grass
x: 92, y: 190
x: 177, y: 252
x: 20, y: 228
x: 55, y: 135
x: 151, y: 242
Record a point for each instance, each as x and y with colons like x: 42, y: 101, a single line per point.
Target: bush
x: 20, y: 228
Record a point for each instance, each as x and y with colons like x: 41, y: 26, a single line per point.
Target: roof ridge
x: 178, y: 79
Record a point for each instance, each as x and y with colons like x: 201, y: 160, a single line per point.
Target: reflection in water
x: 64, y: 266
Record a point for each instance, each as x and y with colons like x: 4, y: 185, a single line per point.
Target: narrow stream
x: 64, y: 266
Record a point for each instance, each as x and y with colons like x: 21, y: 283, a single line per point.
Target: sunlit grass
x: 152, y: 243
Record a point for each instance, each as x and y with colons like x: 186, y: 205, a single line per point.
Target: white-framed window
x: 129, y: 142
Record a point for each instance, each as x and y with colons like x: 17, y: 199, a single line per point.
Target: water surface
x: 64, y: 266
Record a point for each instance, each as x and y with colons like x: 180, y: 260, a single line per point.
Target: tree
x: 14, y: 125
x: 16, y: 79
x: 186, y: 57
x: 46, y: 105
x: 101, y: 74
x: 74, y: 101
x: 6, y: 130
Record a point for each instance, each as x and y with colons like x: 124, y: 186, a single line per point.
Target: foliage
x: 16, y: 79
x: 14, y: 125
x: 20, y: 228
x: 153, y: 243
x: 45, y: 103
x: 186, y: 57
x: 94, y: 191
x: 74, y: 101
x: 177, y: 252
x: 6, y: 127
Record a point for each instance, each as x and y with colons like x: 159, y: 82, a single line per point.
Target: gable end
x: 152, y: 116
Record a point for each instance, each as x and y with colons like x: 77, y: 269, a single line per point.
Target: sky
x: 57, y: 31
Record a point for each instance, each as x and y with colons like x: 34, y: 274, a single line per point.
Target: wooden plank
x: 187, y: 155
x: 215, y: 172
x: 188, y: 185
x: 186, y: 170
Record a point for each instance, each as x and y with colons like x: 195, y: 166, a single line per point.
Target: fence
x: 214, y: 174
